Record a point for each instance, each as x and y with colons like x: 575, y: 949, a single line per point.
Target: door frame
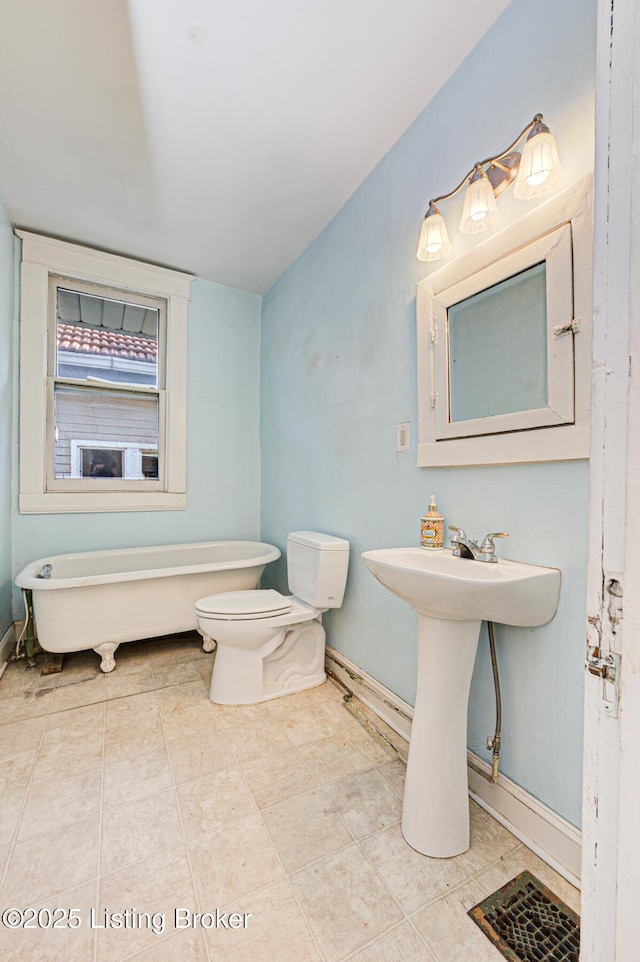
x: 611, y: 828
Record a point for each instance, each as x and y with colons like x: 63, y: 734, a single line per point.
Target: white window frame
x: 40, y: 493
x: 558, y: 232
x: 133, y: 390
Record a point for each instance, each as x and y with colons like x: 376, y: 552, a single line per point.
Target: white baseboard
x: 7, y: 643
x: 393, y: 713
x: 551, y: 837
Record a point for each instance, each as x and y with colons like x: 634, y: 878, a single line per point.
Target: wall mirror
x: 504, y: 343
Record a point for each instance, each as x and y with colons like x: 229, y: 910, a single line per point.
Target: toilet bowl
x: 269, y: 644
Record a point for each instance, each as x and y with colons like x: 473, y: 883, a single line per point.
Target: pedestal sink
x: 452, y: 597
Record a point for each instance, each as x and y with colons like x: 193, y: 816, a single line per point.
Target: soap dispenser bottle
x: 432, y: 527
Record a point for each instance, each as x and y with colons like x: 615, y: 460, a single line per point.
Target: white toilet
x: 270, y: 644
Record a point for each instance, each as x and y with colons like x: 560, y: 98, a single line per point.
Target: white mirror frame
x: 501, y: 256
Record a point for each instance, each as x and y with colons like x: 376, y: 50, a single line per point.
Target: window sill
x: 92, y: 503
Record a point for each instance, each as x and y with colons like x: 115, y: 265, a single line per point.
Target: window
x: 102, y: 381
x: 504, y: 343
x: 102, y: 459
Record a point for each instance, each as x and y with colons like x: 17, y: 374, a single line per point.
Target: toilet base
x: 295, y: 664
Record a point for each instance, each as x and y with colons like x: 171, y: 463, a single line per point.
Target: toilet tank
x: 317, y: 568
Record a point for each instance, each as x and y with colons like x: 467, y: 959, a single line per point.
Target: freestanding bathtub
x: 99, y: 599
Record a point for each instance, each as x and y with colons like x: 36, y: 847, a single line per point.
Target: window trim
x: 158, y: 304
x: 43, y: 257
x: 572, y: 208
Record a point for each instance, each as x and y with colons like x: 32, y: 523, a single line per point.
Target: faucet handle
x: 459, y: 533
x: 487, y: 546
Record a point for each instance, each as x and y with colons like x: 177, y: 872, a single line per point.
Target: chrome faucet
x: 464, y: 547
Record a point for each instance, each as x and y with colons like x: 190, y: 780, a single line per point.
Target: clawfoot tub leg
x: 106, y: 651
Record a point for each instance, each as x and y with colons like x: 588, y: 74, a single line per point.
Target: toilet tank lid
x: 323, y: 542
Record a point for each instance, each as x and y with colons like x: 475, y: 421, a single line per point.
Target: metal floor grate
x: 528, y: 923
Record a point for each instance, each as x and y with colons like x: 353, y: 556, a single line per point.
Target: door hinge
x: 606, y: 666
x: 433, y: 334
x: 571, y: 327
x: 434, y: 399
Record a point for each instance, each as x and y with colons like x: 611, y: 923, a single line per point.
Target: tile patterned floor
x: 132, y: 792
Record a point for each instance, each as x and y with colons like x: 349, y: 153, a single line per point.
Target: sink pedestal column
x: 435, y: 812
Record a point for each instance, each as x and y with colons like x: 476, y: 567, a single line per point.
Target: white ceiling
x: 214, y: 136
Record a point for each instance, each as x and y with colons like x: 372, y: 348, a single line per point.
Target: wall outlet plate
x: 403, y: 436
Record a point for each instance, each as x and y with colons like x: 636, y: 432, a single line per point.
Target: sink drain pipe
x: 494, y: 743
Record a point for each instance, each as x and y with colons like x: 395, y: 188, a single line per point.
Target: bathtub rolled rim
x: 258, y: 553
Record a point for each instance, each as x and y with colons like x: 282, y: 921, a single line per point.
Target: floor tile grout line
x: 303, y: 914
x: 406, y: 920
x: 291, y: 747
x: 393, y: 897
x: 423, y: 939
x: 322, y: 787
x: 496, y: 861
x: 98, y: 887
x: 182, y: 825
x: 163, y: 939
x: 353, y: 841
x: 173, y: 788
x: 14, y: 837
x: 150, y: 795
x: 406, y: 914
x: 312, y: 705
x: 357, y: 841
x: 286, y: 875
x: 450, y: 891
x: 406, y: 917
x: 15, y: 840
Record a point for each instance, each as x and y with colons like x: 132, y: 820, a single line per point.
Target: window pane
x: 108, y: 434
x: 498, y: 348
x: 149, y: 465
x: 102, y: 462
x: 104, y: 338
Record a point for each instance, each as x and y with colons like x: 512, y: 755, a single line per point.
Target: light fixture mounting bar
x: 489, y: 160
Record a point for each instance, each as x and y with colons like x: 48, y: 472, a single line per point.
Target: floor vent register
x: 528, y: 923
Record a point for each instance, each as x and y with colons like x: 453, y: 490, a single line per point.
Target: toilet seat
x: 244, y: 605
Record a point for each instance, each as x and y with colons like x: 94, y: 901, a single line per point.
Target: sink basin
x: 439, y: 585
x: 452, y: 597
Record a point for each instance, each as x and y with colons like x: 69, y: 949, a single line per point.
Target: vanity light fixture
x: 534, y: 172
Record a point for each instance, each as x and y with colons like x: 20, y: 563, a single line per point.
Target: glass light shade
x: 480, y: 211
x: 540, y: 170
x: 434, y: 238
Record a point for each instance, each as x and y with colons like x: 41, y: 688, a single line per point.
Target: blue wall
x: 223, y: 469
x: 339, y: 371
x: 7, y: 281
